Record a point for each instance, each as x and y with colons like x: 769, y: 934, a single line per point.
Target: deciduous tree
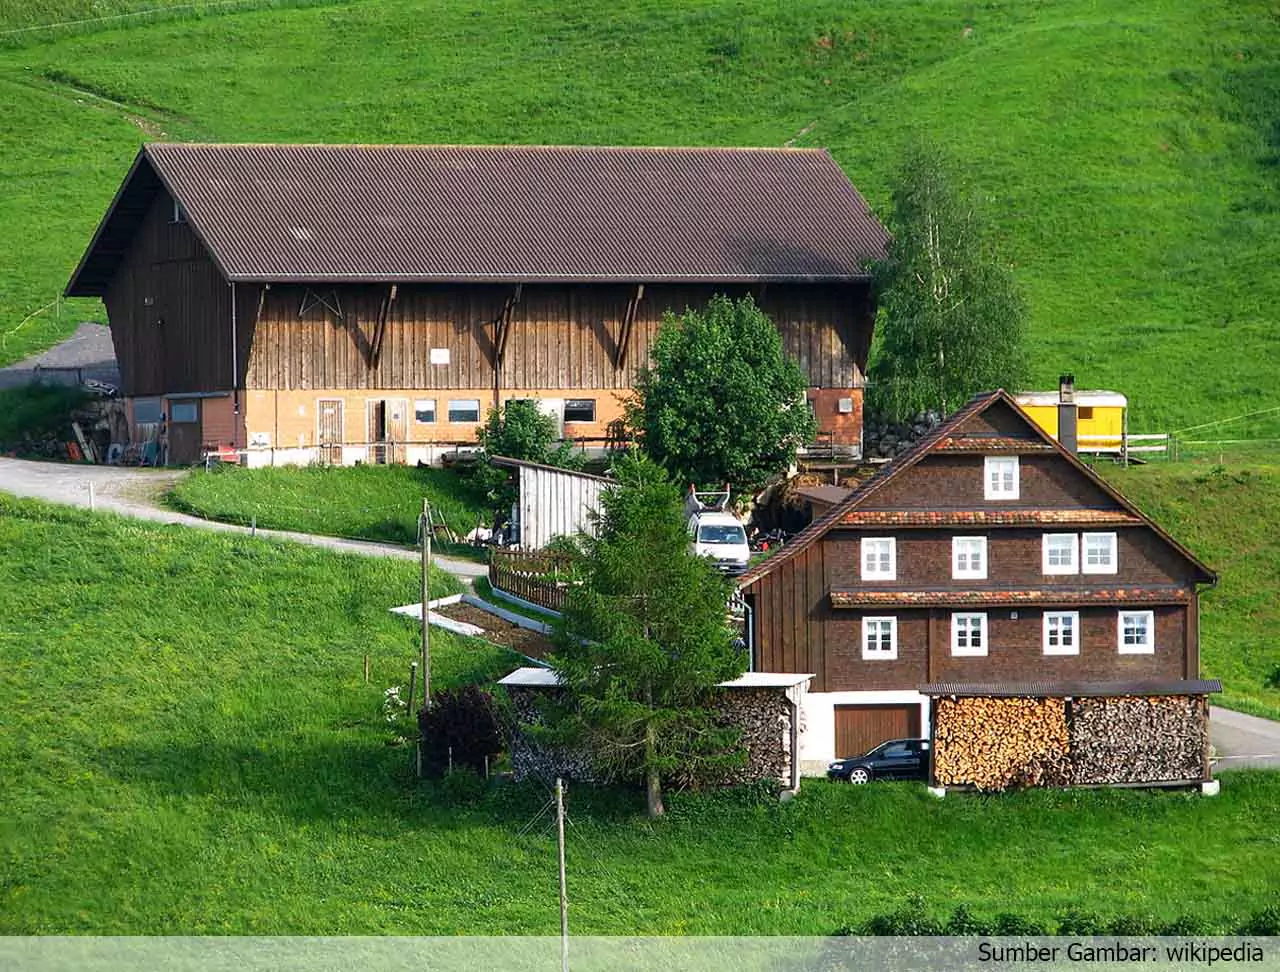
x: 951, y: 318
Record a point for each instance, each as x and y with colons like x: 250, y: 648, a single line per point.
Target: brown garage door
x: 863, y: 727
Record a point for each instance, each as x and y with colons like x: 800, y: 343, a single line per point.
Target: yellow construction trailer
x: 1101, y: 417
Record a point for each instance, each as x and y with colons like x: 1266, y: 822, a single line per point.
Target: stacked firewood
x: 762, y: 718
x: 995, y: 743
x: 1138, y: 740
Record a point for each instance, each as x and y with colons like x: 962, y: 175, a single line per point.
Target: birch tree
x: 951, y: 319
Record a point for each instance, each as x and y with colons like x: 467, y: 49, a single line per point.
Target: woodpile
x: 762, y: 718
x: 1138, y: 740
x: 995, y: 743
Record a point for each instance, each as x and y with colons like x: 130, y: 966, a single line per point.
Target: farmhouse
x: 371, y: 303
x: 979, y: 574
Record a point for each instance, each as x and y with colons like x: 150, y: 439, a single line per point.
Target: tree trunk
x: 653, y: 782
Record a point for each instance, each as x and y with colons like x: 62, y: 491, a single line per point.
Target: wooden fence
x: 537, y: 576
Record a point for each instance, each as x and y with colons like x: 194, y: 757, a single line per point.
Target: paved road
x: 89, y: 349
x: 137, y: 492
x: 1243, y: 741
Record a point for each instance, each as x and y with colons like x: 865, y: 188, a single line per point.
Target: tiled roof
x: 1034, y: 596
x: 944, y: 518
x: 985, y: 444
x: 502, y: 213
x: 1166, y: 686
x: 975, y: 406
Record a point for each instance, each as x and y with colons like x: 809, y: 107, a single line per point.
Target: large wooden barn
x: 986, y: 562
x: 372, y: 303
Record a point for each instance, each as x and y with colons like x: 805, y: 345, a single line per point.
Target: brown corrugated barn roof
x: 501, y: 213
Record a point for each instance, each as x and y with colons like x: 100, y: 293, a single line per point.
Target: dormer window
x: 1000, y: 475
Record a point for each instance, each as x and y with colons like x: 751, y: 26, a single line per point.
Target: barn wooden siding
x: 561, y: 336
x: 557, y: 503
x: 170, y: 312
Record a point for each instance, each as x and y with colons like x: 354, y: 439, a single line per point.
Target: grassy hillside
x: 1231, y: 519
x: 1127, y: 154
x: 187, y: 746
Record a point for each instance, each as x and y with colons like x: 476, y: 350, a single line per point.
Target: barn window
x: 179, y: 213
x: 580, y: 410
x: 1060, y: 553
x: 969, y: 557
x: 1001, y: 477
x: 184, y: 412
x: 1062, y: 632
x: 1099, y: 554
x: 147, y: 411
x: 464, y: 410
x: 969, y: 635
x: 1137, y: 633
x: 424, y: 410
x: 1085, y: 413
x: 879, y: 558
x: 879, y: 639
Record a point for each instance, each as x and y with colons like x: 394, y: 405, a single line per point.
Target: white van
x: 721, y: 537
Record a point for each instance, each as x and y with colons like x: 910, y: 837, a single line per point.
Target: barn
x: 347, y: 303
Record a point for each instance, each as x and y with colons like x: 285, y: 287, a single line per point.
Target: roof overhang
x: 1061, y: 690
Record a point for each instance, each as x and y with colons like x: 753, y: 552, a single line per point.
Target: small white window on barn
x: 1137, y: 633
x: 580, y: 410
x: 424, y: 410
x: 464, y: 410
x: 1098, y: 555
x: 1000, y: 475
x: 969, y: 635
x: 439, y: 356
x: 1060, y: 553
x: 879, y: 639
x: 879, y: 558
x: 1062, y: 633
x: 969, y: 558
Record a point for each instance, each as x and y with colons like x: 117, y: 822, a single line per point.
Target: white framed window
x: 1062, y: 632
x: 969, y: 635
x: 1098, y: 553
x: 969, y: 557
x: 1136, y: 633
x: 424, y: 410
x: 879, y: 639
x: 439, y: 356
x: 1000, y: 475
x: 879, y: 558
x: 464, y: 410
x: 1061, y: 553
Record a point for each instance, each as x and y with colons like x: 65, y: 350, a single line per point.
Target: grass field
x: 1126, y: 155
x: 363, y: 502
x: 1231, y: 518
x: 187, y: 746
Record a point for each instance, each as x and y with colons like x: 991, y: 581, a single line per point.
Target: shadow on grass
x: 353, y: 780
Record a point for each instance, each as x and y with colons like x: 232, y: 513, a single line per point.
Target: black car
x: 897, y: 759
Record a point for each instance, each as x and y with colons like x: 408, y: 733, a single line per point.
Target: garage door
x: 863, y: 727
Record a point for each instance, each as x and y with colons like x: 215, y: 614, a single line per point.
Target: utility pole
x: 564, y: 892
x: 426, y: 601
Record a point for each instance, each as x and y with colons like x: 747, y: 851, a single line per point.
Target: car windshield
x: 721, y: 533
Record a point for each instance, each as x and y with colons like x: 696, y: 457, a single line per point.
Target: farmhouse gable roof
x: 375, y: 213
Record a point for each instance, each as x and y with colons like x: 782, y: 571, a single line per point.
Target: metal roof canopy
x: 1073, y: 689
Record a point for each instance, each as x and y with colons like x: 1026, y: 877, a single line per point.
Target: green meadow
x: 188, y: 746
x: 1126, y: 156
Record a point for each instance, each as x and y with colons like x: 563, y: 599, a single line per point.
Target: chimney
x: 1067, y: 412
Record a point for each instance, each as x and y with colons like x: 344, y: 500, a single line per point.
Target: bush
x: 1011, y: 925
x: 1265, y: 922
x: 1081, y: 924
x: 463, y: 787
x: 38, y: 411
x: 462, y: 720
x: 910, y: 919
x: 1132, y: 925
x: 962, y: 922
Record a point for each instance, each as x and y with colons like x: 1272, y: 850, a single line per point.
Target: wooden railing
x: 536, y: 576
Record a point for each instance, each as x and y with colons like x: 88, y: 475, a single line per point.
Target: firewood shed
x: 1114, y: 733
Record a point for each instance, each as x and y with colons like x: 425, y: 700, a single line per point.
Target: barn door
x: 397, y: 428
x: 329, y: 437
x: 863, y: 727
x: 185, y: 436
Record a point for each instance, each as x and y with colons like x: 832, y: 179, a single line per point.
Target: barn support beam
x: 628, y: 322
x: 501, y: 332
x: 380, y: 328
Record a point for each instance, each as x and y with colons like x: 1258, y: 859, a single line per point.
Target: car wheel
x: 859, y: 774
